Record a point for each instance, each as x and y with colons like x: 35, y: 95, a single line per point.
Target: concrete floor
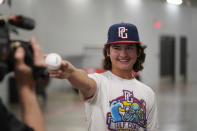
x: 177, y: 107
x: 177, y: 104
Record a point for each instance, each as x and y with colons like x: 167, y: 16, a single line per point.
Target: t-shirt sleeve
x: 8, y: 122
x: 152, y: 121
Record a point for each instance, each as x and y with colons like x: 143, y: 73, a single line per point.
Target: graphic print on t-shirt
x: 127, y: 113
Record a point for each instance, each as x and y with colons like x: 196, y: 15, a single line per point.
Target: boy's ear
x: 138, y: 55
x: 108, y: 51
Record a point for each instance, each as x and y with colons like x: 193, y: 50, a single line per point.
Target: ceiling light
x: 175, y: 2
x: 2, y: 2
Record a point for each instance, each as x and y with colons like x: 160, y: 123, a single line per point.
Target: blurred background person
x: 31, y: 113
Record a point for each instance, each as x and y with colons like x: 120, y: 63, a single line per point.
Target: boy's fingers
x: 64, y: 65
x: 54, y: 71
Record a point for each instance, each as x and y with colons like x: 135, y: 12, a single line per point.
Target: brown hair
x: 138, y: 66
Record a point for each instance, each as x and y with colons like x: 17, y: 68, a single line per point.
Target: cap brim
x: 123, y: 42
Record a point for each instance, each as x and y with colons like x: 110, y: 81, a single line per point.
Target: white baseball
x: 53, y: 61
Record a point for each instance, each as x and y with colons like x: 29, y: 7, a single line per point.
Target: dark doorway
x: 183, y: 58
x: 167, y: 58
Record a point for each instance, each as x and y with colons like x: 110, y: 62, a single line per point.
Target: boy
x: 115, y: 100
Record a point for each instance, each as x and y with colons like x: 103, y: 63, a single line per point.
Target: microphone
x: 22, y: 22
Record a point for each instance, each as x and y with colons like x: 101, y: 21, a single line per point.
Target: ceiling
x: 189, y: 3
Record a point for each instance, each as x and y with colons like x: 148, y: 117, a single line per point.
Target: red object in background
x: 135, y: 74
x: 157, y: 24
x: 91, y: 70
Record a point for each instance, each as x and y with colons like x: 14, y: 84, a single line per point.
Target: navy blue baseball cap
x: 122, y: 33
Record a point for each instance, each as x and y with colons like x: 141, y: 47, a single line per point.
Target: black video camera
x: 8, y: 46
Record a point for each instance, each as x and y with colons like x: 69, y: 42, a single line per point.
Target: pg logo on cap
x: 122, y: 32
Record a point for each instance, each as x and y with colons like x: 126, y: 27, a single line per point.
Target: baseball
x: 53, y: 61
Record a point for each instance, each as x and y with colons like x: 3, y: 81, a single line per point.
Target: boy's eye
x: 130, y: 47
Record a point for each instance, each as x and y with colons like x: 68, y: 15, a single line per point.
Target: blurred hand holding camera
x: 37, y: 54
x: 8, y: 46
x: 23, y: 72
x: 31, y: 113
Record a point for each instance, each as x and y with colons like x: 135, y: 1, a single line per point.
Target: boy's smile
x: 123, y: 56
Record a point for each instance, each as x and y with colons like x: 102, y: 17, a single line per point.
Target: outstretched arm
x: 77, y: 77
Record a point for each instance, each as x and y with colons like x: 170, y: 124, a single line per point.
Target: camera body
x: 8, y: 46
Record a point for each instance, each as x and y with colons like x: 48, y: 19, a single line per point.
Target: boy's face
x: 123, y: 56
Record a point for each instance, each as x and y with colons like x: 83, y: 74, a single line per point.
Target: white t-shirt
x: 121, y: 104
